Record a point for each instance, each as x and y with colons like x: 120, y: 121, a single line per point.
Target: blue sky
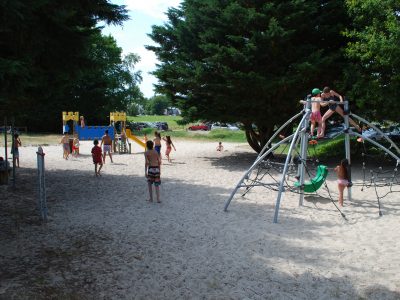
x: 133, y: 35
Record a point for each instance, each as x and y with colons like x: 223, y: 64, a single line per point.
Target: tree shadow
x: 104, y: 240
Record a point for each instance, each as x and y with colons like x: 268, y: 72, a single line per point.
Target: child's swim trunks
x: 158, y: 149
x: 316, y: 116
x: 153, y: 175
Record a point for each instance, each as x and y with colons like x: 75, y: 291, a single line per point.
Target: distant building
x: 172, y: 111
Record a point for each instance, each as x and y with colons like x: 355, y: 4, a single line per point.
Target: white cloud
x: 153, y: 8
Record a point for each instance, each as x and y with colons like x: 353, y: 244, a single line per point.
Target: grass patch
x: 171, y: 120
x: 33, y: 139
x: 213, y: 135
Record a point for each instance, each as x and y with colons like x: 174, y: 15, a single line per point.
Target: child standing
x: 170, y: 145
x: 152, y: 170
x: 75, y: 147
x: 97, y: 157
x: 343, y: 178
x: 65, y: 144
x: 15, y: 150
x: 220, y: 147
x: 315, y: 117
x: 157, y: 142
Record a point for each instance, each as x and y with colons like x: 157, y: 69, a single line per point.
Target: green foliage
x: 157, y: 104
x: 53, y: 58
x: 247, y: 61
x: 373, y: 77
x: 171, y: 120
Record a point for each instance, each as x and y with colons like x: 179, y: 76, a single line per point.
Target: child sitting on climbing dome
x: 315, y: 116
x: 343, y: 178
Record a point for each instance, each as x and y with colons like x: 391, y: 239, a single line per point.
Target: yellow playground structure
x: 124, y: 132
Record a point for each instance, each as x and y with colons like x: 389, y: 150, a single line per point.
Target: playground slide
x: 134, y: 138
x: 317, y: 181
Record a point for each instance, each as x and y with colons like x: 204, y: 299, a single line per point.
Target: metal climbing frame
x: 301, y: 132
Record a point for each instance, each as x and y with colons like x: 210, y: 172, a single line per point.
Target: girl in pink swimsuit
x: 169, y: 144
x: 343, y: 178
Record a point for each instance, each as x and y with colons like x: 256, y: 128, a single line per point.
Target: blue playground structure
x: 85, y: 133
x: 93, y: 132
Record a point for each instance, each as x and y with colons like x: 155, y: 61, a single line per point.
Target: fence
x: 41, y: 184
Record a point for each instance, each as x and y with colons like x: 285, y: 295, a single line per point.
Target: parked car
x: 198, y: 127
x: 224, y: 126
x: 162, y: 125
x: 393, y: 132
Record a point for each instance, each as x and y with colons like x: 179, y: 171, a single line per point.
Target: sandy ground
x: 104, y: 241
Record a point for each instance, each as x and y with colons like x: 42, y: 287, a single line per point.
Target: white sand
x: 104, y: 241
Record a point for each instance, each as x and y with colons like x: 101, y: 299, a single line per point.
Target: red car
x: 198, y: 127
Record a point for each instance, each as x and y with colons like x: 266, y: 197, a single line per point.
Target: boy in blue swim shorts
x: 152, y: 170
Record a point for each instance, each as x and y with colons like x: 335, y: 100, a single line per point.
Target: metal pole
x: 347, y: 142
x: 303, y: 151
x: 13, y: 150
x: 254, y: 165
x: 5, y: 146
x: 42, y: 184
x: 296, y: 134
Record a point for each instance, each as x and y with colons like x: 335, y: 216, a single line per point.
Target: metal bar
x: 303, y: 151
x: 13, y: 150
x: 255, y: 164
x: 285, y: 168
x: 347, y: 144
x: 393, y: 144
x: 267, y: 145
x: 397, y: 158
x: 5, y: 146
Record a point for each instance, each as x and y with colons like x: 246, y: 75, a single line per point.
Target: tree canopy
x: 53, y: 58
x: 373, y: 76
x: 248, y: 61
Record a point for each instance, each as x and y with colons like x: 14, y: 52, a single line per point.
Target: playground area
x: 103, y: 240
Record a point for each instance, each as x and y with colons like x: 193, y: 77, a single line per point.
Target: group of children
x: 326, y: 97
x: 66, y: 146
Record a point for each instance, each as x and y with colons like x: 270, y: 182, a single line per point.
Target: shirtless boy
x: 152, y: 170
x: 65, y: 144
x: 106, y: 142
x: 315, y: 116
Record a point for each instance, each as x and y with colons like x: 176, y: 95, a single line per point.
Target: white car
x: 224, y: 126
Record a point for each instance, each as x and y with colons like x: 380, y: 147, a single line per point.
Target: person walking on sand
x: 157, y: 142
x: 65, y: 144
x: 15, y: 149
x: 330, y: 96
x: 97, y: 158
x: 169, y: 145
x: 343, y: 178
x: 152, y: 170
x: 106, y: 142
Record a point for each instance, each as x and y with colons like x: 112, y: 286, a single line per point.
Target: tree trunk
x: 257, y: 140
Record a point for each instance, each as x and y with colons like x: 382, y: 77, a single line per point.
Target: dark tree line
x: 251, y: 61
x: 53, y: 58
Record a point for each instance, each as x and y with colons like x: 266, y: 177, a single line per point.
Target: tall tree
x: 248, y: 61
x: 373, y: 77
x: 44, y: 48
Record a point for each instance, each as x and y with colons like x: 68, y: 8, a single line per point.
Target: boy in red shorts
x: 97, y: 158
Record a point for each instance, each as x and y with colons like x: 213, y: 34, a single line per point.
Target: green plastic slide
x: 316, y: 182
